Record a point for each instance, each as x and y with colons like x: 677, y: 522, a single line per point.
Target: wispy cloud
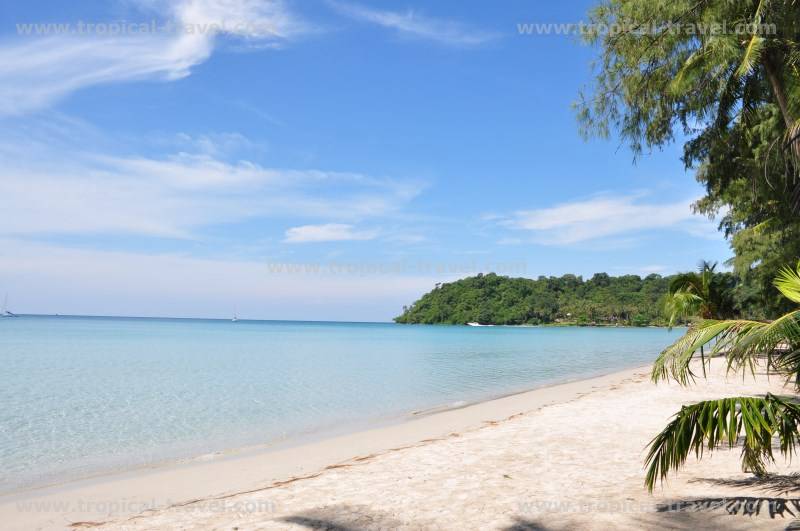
x: 37, y: 70
x: 416, y: 24
x: 213, y: 144
x: 603, y: 217
x: 49, y: 190
x: 329, y: 232
x: 54, y: 278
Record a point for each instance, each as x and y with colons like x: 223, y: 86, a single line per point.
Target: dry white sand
x: 564, y: 457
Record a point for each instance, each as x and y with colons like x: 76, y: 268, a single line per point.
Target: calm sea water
x: 80, y: 396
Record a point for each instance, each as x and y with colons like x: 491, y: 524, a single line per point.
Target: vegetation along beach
x: 354, y: 265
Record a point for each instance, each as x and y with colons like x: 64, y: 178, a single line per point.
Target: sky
x: 315, y: 160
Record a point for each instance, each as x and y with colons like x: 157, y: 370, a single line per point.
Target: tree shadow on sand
x: 773, y: 484
x: 524, y: 524
x: 343, y: 518
x: 733, y: 512
x: 316, y: 523
x: 772, y: 507
x: 361, y: 518
x: 737, y: 505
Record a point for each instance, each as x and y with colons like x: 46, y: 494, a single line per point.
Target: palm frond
x: 788, y: 364
x: 788, y: 282
x: 674, y: 361
x: 742, y: 342
x: 706, y: 266
x: 687, y: 73
x: 681, y: 304
x: 750, y: 340
x: 711, y: 424
x: 686, y: 282
x: 752, y: 54
x: 755, y: 46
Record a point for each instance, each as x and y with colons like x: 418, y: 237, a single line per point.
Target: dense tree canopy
x: 723, y: 78
x: 493, y: 299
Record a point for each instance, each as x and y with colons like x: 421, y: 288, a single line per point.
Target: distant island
x: 627, y: 300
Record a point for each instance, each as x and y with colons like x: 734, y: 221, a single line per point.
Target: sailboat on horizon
x: 4, y: 312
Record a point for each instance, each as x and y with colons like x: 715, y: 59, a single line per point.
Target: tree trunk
x: 773, y: 74
x: 772, y: 65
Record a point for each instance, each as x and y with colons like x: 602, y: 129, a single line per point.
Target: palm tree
x: 704, y: 294
x: 769, y: 56
x: 707, y: 425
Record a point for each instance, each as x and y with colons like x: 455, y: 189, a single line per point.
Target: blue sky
x: 311, y: 160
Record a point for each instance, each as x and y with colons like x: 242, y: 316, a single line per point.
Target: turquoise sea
x: 86, y: 395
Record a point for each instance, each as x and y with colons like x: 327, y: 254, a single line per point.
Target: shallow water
x: 85, y: 395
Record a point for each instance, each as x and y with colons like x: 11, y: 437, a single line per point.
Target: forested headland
x: 601, y: 300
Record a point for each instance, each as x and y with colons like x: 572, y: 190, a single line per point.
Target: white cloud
x: 51, y: 190
x: 417, y: 25
x: 329, y: 232
x: 36, y: 71
x: 603, y: 217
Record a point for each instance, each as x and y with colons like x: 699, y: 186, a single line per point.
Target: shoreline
x: 302, y: 438
x: 241, y: 469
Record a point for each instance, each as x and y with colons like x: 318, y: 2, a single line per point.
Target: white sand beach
x: 563, y: 457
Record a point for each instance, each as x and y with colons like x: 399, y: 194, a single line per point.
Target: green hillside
x: 493, y: 299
